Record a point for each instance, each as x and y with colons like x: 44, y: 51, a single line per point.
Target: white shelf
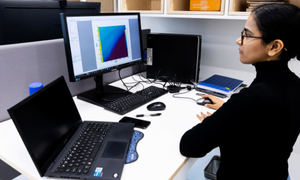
x: 196, y: 16
x: 167, y: 12
x: 230, y: 9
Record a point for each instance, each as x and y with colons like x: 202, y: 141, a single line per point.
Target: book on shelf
x: 253, y: 3
x: 219, y: 85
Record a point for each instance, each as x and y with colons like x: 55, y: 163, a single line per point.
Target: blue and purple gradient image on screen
x: 113, y: 42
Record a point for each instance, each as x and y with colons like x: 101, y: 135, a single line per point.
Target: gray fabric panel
x: 42, y: 61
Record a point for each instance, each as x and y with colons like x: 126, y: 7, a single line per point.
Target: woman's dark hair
x: 280, y: 21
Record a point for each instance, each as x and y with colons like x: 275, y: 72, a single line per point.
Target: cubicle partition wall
x: 41, y: 61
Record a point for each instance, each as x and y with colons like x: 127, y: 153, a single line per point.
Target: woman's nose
x: 239, y: 41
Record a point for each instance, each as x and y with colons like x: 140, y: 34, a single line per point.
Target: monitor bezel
x: 72, y: 76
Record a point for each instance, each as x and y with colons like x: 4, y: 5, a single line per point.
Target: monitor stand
x: 102, y: 94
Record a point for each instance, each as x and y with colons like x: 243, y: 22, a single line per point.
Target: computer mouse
x: 204, y: 101
x: 208, y: 101
x: 156, y: 106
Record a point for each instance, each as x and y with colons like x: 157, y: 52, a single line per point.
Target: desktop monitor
x: 101, y: 43
x: 36, y: 20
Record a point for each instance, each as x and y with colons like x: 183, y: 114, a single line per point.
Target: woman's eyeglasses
x: 244, y: 34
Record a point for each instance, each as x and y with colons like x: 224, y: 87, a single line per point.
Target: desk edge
x: 179, y: 168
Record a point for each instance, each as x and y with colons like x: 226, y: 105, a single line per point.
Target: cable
x: 174, y: 96
x: 196, y: 100
x: 194, y: 83
x: 141, y: 75
x: 128, y: 83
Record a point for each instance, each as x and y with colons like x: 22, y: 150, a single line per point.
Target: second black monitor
x: 173, y: 57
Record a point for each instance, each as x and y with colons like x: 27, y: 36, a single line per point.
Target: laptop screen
x: 44, y: 120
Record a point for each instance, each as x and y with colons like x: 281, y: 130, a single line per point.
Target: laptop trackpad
x: 114, y: 150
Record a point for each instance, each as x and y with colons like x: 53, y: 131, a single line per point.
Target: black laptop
x: 61, y: 144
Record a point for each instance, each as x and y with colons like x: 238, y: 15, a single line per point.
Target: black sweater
x: 255, y: 129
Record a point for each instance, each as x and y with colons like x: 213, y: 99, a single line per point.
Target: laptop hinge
x: 51, y: 165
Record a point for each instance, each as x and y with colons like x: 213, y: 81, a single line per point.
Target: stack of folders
x: 220, y: 86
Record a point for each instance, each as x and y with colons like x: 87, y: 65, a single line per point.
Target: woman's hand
x: 203, y: 116
x: 217, y: 102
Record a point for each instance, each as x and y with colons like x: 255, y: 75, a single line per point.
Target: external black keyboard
x: 135, y: 100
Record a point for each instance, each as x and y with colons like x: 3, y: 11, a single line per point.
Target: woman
x: 256, y: 128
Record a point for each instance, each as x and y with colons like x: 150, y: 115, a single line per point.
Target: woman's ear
x: 275, y: 48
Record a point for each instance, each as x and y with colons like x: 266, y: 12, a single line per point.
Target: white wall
x: 219, y: 50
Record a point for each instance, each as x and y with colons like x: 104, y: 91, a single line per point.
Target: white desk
x: 159, y: 156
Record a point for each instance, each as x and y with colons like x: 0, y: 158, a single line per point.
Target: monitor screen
x: 100, y: 43
x: 36, y: 20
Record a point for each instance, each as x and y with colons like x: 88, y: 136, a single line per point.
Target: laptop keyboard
x: 83, y: 152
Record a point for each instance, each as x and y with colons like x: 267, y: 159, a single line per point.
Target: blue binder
x: 220, y: 84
